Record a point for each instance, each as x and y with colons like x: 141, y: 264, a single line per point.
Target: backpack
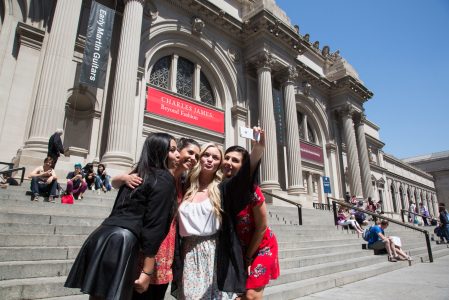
x: 359, y: 216
x: 366, y: 233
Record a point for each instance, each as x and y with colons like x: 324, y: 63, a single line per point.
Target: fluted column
x: 51, y: 95
x: 118, y: 150
x: 310, y: 184
x: 269, y: 166
x: 362, y: 148
x: 351, y: 152
x: 291, y: 124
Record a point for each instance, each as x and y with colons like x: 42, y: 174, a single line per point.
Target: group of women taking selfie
x: 188, y: 215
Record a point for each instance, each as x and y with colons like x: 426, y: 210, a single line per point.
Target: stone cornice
x: 374, y: 141
x: 308, y: 74
x: 408, y: 167
x: 265, y: 21
x: 209, y: 12
x: 30, y: 36
x: 348, y: 83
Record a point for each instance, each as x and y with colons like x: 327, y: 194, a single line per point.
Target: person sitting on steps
x: 43, y: 181
x: 379, y: 241
x: 76, y: 184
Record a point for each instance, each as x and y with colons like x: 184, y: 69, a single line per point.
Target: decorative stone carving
x: 149, y: 10
x: 290, y: 74
x: 307, y: 37
x: 297, y: 29
x: 197, y: 25
x: 347, y: 110
x: 326, y: 50
x: 234, y: 55
x: 264, y: 60
x: 307, y: 88
x: 316, y: 45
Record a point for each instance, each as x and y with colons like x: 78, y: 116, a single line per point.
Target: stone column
x: 119, y: 146
x: 196, y: 82
x: 173, y: 73
x: 351, y: 152
x: 362, y: 148
x: 51, y: 96
x: 269, y: 166
x: 310, y: 184
x: 291, y: 124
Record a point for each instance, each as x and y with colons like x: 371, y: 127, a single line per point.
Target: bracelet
x: 148, y: 273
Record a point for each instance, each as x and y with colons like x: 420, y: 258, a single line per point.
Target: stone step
x: 35, y: 288
x: 18, y: 228
x: 73, y: 297
x: 37, y: 253
x: 28, y: 218
x: 25, y: 240
x: 34, y: 269
x: 58, y: 210
x: 296, y: 289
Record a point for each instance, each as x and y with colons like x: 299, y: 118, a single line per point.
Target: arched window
x: 160, y: 73
x: 206, y: 94
x: 393, y: 198
x: 401, y: 195
x: 300, y: 118
x: 310, y: 134
x: 184, y: 77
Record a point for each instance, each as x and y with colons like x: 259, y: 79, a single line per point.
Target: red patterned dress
x: 163, y: 273
x: 265, y: 265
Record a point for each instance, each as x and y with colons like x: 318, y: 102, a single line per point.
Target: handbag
x: 67, y: 199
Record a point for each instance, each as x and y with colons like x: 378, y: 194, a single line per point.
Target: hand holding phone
x: 249, y: 133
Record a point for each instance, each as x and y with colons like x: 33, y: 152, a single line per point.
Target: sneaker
x: 51, y: 199
x: 36, y: 198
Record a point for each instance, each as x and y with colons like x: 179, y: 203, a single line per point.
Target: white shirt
x: 197, y: 218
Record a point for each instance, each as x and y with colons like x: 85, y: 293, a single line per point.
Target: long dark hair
x: 243, y: 151
x: 154, y: 154
x: 185, y: 142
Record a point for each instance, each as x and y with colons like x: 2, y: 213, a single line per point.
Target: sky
x: 400, y: 49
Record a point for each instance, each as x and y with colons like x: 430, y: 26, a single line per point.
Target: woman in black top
x: 107, y: 264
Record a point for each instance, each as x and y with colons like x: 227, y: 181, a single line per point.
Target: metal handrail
x: 341, y: 202
x: 416, y: 214
x: 290, y: 202
x: 322, y: 206
x: 13, y: 170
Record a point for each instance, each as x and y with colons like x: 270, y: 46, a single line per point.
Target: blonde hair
x: 212, y: 188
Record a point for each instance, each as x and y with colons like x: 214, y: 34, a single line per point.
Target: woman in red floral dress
x: 258, y: 241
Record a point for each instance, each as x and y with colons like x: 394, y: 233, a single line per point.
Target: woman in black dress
x: 107, y: 264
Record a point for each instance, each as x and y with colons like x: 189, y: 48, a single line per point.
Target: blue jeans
x: 41, y: 187
x: 445, y: 232
x: 100, y: 182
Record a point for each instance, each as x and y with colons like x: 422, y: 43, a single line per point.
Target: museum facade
x: 199, y: 69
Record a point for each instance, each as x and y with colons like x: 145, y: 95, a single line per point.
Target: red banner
x: 172, y: 107
x: 312, y: 153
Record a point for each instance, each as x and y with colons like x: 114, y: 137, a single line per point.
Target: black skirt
x: 107, y: 264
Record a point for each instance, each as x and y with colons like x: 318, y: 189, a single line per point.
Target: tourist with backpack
x: 377, y: 240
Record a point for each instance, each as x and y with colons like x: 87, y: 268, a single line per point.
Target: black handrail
x: 416, y: 214
x: 290, y: 202
x: 9, y: 171
x: 341, y: 202
x: 322, y: 206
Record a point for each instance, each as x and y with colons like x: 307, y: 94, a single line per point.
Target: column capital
x: 360, y: 119
x: 289, y: 75
x: 264, y: 59
x: 347, y: 111
x: 139, y: 1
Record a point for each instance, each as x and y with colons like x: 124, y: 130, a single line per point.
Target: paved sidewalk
x: 420, y: 281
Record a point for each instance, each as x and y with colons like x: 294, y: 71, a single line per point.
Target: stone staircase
x: 40, y: 240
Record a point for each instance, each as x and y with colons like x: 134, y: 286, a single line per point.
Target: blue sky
x: 400, y: 48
